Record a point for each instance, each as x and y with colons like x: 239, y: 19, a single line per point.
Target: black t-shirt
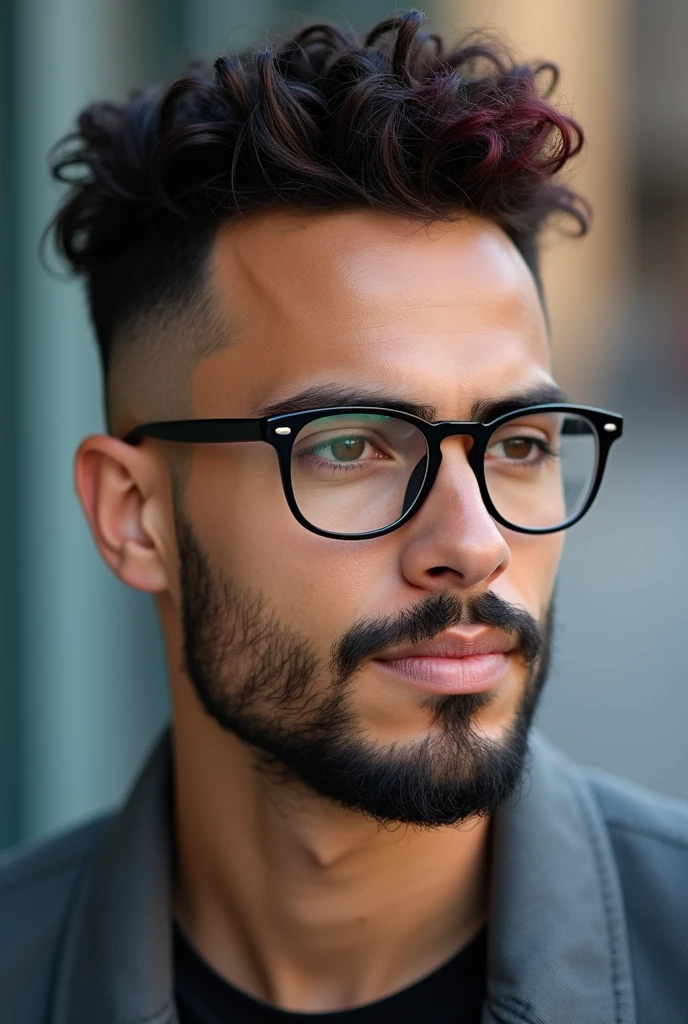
x: 453, y: 994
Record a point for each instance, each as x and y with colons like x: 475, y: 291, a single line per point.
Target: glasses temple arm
x: 213, y: 431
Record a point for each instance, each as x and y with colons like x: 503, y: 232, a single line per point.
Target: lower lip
x: 476, y: 673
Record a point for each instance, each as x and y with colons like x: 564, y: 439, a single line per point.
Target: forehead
x: 444, y: 313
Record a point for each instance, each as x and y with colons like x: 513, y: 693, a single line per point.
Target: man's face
x: 289, y: 636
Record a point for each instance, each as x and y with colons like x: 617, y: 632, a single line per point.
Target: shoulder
x: 23, y: 867
x: 36, y: 887
x: 649, y: 840
x: 637, y: 815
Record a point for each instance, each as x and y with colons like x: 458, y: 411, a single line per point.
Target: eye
x: 518, y: 447
x: 347, y: 449
x: 343, y: 451
x: 527, y: 450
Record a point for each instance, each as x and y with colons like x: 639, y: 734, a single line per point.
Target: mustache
x: 369, y: 637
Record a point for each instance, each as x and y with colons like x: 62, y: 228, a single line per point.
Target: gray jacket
x: 588, y: 917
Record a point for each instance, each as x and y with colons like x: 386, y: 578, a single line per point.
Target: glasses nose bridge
x: 457, y: 428
x: 458, y: 464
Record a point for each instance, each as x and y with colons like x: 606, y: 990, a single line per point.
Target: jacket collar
x: 557, y: 934
x: 557, y: 931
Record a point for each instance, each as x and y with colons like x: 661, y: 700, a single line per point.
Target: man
x: 338, y: 459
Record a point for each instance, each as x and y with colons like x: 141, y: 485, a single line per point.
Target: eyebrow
x: 486, y: 410
x: 329, y: 396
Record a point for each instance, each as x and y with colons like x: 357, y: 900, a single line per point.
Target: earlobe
x: 118, y: 485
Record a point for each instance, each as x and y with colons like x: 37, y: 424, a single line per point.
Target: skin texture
x: 291, y: 897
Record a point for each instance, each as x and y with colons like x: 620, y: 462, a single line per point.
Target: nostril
x: 439, y: 570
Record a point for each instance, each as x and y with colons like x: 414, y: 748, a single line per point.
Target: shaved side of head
x: 155, y: 351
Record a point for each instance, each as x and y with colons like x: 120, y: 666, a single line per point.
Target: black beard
x: 259, y: 679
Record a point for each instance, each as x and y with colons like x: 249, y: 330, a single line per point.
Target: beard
x: 263, y: 681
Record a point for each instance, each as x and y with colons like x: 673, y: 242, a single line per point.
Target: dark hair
x: 324, y: 122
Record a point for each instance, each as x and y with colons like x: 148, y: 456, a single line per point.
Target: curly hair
x: 395, y: 122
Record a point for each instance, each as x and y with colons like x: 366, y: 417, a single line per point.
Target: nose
x: 452, y: 540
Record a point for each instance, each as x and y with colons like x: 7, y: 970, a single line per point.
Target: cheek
x: 241, y: 518
x: 532, y: 570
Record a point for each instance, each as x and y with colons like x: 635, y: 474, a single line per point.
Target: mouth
x: 467, y: 660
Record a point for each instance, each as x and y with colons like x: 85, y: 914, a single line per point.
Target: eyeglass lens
x: 356, y: 473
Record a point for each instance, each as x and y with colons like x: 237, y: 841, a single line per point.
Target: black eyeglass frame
x: 281, y: 432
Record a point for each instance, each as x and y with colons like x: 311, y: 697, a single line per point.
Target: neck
x: 303, y: 904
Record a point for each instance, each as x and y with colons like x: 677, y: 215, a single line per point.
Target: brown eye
x: 347, y: 449
x: 518, y: 448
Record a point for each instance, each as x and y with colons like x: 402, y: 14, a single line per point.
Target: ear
x: 125, y: 494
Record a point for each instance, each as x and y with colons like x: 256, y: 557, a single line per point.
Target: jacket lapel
x: 558, y: 945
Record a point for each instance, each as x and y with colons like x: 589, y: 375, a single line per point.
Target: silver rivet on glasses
x: 610, y: 427
x: 283, y: 430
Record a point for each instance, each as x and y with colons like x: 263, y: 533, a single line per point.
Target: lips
x: 463, y: 643
x: 467, y: 660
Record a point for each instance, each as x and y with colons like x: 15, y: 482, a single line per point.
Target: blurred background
x: 82, y: 680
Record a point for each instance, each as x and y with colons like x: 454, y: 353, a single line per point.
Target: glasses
x: 358, y: 472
